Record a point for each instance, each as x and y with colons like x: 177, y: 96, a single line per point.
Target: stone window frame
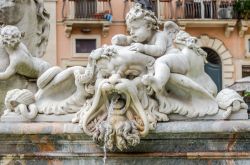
x: 219, y: 47
x: 238, y: 66
x: 65, y: 63
x: 74, y: 37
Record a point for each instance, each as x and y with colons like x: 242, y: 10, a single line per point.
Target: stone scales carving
x: 147, y: 77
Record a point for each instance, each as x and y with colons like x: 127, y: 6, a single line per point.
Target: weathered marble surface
x: 185, y: 143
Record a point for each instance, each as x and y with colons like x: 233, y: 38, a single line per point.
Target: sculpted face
x: 140, y: 30
x: 10, y: 36
x: 117, y: 105
x: 119, y: 79
x: 11, y: 11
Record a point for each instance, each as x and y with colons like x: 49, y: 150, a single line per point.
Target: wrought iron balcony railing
x: 86, y: 9
x: 196, y: 9
x: 191, y: 9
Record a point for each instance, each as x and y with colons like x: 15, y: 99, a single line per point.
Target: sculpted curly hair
x: 137, y: 12
x: 10, y: 35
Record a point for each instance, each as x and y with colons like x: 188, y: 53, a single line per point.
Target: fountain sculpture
x: 128, y: 87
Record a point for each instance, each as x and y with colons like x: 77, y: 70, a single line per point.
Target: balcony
x: 195, y: 13
x: 199, y: 13
x: 87, y: 14
x: 195, y: 9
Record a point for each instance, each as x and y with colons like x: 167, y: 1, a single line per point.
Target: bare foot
x: 147, y: 79
x: 153, y: 82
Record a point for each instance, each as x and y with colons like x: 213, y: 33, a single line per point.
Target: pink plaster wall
x: 234, y: 43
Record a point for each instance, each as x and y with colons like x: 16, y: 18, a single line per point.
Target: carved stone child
x: 146, y: 38
x: 21, y: 61
x: 171, y: 61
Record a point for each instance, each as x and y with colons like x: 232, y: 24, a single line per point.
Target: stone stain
x: 55, y: 162
x: 44, y: 144
x: 230, y: 162
x: 232, y: 141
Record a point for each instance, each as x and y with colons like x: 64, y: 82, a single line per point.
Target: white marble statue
x: 21, y: 60
x: 147, y: 77
x: 30, y: 17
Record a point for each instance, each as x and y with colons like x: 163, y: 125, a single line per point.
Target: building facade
x: 79, y: 26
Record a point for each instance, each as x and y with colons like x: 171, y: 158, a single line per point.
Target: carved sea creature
x: 230, y: 101
x: 21, y: 102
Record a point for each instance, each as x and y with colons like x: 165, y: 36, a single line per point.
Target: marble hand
x: 137, y: 47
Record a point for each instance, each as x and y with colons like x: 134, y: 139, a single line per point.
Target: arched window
x: 214, y: 67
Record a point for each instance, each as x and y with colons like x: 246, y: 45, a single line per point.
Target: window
x: 246, y: 73
x: 66, y: 63
x: 82, y: 45
x: 245, y: 70
x: 85, y: 45
x: 247, y: 45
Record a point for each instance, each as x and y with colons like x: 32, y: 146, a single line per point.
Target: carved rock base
x: 184, y: 143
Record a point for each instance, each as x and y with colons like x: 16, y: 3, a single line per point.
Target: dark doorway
x: 214, y: 68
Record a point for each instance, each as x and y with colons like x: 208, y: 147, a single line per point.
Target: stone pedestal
x: 181, y: 143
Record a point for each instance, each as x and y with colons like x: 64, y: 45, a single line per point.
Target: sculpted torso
x: 23, y: 63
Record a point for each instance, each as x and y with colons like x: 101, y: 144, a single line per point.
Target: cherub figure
x: 169, y: 62
x: 21, y: 61
x: 145, y: 37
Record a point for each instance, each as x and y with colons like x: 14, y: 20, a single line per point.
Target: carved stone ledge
x: 243, y: 27
x: 70, y: 24
x: 13, y: 117
x: 233, y: 126
x: 228, y: 24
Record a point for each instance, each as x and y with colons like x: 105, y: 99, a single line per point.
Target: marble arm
x: 158, y: 48
x: 154, y: 50
x: 7, y: 73
x: 121, y: 40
